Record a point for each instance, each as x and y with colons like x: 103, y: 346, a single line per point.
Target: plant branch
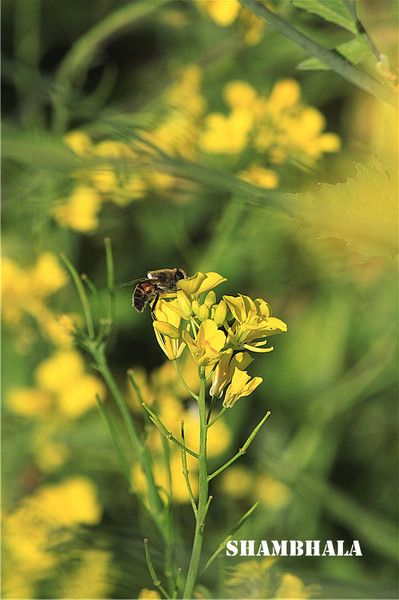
x: 332, y: 58
x: 241, y: 450
x: 155, y: 579
x: 229, y: 536
x: 182, y: 380
x: 203, y: 499
x: 165, y: 432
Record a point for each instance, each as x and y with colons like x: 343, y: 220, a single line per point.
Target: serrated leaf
x: 355, y: 51
x: 333, y: 11
x: 362, y: 211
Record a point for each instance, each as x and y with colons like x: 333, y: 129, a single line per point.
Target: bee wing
x: 132, y: 282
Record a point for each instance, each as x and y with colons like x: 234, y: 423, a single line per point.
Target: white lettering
x: 296, y: 548
x: 312, y: 548
x: 328, y: 549
x: 247, y: 548
x: 231, y: 548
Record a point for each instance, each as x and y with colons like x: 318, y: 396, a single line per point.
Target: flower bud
x: 220, y: 313
x: 167, y: 329
x: 195, y: 306
x: 210, y: 299
x: 203, y: 312
x: 184, y: 304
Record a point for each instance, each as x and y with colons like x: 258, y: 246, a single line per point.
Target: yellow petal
x: 236, y: 305
x: 167, y: 329
x: 220, y: 313
x: 191, y: 285
x: 211, y: 281
x: 184, y: 304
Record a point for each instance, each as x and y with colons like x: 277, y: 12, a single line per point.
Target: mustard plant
x: 220, y: 336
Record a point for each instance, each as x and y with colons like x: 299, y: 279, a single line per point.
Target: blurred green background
x: 109, y: 130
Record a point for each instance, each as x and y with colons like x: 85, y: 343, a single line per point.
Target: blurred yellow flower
x: 78, y: 141
x: 259, y: 176
x: 223, y: 12
x: 274, y: 493
x: 237, y: 482
x: 148, y: 594
x: 29, y: 402
x: 80, y: 396
x: 292, y: 587
x: 29, y: 531
x: 91, y: 579
x: 227, y: 134
x: 57, y: 373
x: 80, y: 211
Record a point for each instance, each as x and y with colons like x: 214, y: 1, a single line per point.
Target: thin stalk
x: 118, y: 447
x: 332, y: 58
x: 182, y: 380
x: 110, y: 278
x: 82, y: 296
x: 155, y: 579
x: 229, y: 536
x: 140, y: 451
x: 203, y: 501
x: 241, y: 450
x: 165, y: 432
x: 185, y: 470
x: 217, y: 417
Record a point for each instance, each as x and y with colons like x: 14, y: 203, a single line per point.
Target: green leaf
x: 355, y: 51
x: 333, y: 11
x: 362, y: 211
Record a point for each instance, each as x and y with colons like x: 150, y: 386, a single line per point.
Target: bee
x: 149, y: 289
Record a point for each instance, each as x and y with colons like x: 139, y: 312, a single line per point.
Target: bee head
x: 180, y: 274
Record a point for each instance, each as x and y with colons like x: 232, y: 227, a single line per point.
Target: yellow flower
x: 274, y: 493
x: 223, y: 12
x: 80, y: 396
x: 237, y: 481
x: 90, y: 579
x: 227, y: 134
x: 206, y: 347
x: 78, y: 141
x: 200, y: 283
x: 47, y: 276
x: 239, y: 94
x: 252, y: 323
x: 71, y: 502
x: 259, y: 176
x: 166, y: 328
x: 292, y: 587
x: 241, y: 385
x: 57, y: 373
x: 149, y: 594
x: 30, y: 402
x: 225, y: 368
x: 81, y: 210
x: 285, y: 94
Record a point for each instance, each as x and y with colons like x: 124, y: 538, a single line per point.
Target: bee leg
x: 153, y: 306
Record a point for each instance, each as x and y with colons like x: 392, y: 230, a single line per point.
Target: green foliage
x: 334, y: 11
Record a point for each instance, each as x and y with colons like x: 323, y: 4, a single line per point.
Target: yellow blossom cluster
x: 279, y: 127
x: 274, y: 129
x: 124, y: 171
x: 164, y: 391
x: 48, y: 516
x: 219, y: 335
x: 63, y: 388
x: 25, y: 295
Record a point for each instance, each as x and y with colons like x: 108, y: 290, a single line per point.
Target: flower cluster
x: 279, y: 126
x: 218, y: 335
x: 272, y: 130
x: 26, y: 292
x: 51, y: 513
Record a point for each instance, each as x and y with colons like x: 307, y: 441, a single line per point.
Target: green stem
x: 165, y: 432
x: 155, y: 579
x: 330, y: 57
x: 182, y: 380
x: 186, y: 473
x: 241, y: 450
x: 203, y: 501
x: 140, y: 451
x: 82, y: 296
